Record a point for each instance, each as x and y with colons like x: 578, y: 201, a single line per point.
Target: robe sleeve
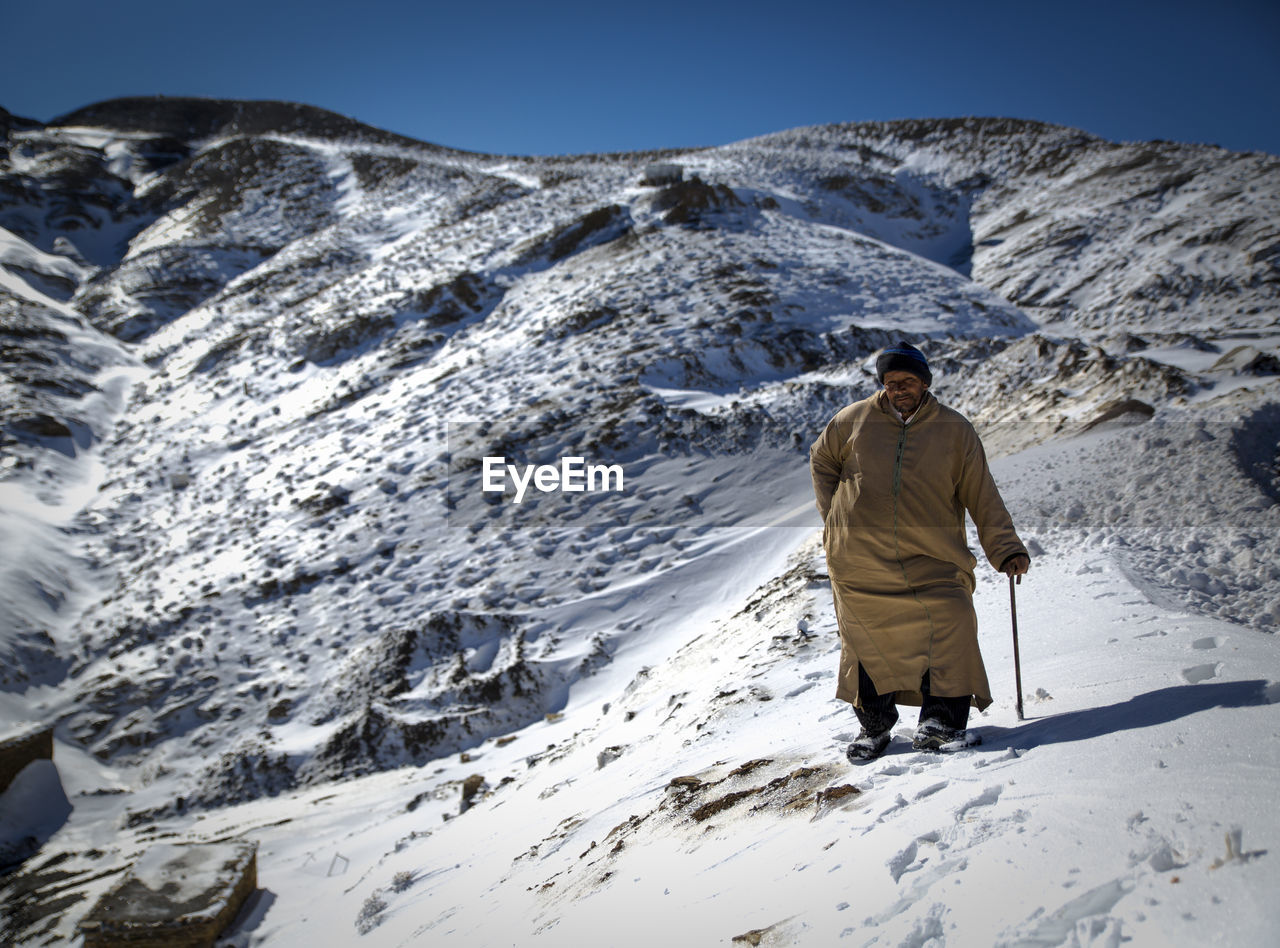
x: 977, y: 492
x: 826, y: 461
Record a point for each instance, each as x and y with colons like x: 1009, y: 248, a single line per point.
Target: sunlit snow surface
x: 258, y: 587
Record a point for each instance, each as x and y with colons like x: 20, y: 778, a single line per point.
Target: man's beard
x: 907, y: 404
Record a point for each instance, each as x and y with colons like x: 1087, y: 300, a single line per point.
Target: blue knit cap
x: 903, y: 358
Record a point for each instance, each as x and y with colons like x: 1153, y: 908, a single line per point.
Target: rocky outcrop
x: 174, y: 896
x: 17, y: 750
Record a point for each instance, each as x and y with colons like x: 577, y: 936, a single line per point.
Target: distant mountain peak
x: 195, y: 118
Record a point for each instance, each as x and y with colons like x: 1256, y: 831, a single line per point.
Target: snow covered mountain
x: 256, y: 354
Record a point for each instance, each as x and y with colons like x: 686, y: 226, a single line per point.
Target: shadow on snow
x: 1145, y: 710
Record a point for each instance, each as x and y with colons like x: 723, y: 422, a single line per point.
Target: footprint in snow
x: 1211, y: 642
x: 925, y: 761
x: 1087, y: 913
x: 1010, y: 754
x: 910, y: 860
x: 1198, y: 673
x: 903, y: 861
x: 1164, y: 857
x: 986, y: 798
x: 918, y: 890
x: 931, y: 790
x: 899, y: 804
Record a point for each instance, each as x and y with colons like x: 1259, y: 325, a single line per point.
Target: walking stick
x: 1017, y: 662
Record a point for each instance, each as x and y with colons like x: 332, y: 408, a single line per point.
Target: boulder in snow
x: 178, y: 896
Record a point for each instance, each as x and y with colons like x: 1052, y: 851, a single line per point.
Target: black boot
x: 877, y: 714
x: 867, y: 747
x: 943, y: 722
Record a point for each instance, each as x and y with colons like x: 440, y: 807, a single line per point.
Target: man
x: 894, y: 475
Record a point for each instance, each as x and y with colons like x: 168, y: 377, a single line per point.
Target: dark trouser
x: 880, y: 712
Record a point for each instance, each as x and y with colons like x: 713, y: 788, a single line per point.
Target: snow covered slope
x: 256, y: 354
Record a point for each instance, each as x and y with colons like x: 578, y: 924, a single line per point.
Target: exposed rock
x: 1247, y: 360
x: 694, y: 202
x: 1120, y: 408
x: 19, y: 749
x: 175, y: 895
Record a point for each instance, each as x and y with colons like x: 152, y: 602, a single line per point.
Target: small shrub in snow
x: 370, y: 916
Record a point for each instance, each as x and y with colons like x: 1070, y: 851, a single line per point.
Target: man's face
x: 906, y: 391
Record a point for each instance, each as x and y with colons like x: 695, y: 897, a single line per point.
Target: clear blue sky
x: 563, y: 76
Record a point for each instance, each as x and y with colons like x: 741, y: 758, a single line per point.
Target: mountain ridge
x: 252, y: 373
x: 199, y: 118
x: 256, y: 356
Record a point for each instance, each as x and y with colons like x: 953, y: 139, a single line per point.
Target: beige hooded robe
x: 893, y: 499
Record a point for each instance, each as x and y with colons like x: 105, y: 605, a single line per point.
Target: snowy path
x: 1103, y: 817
